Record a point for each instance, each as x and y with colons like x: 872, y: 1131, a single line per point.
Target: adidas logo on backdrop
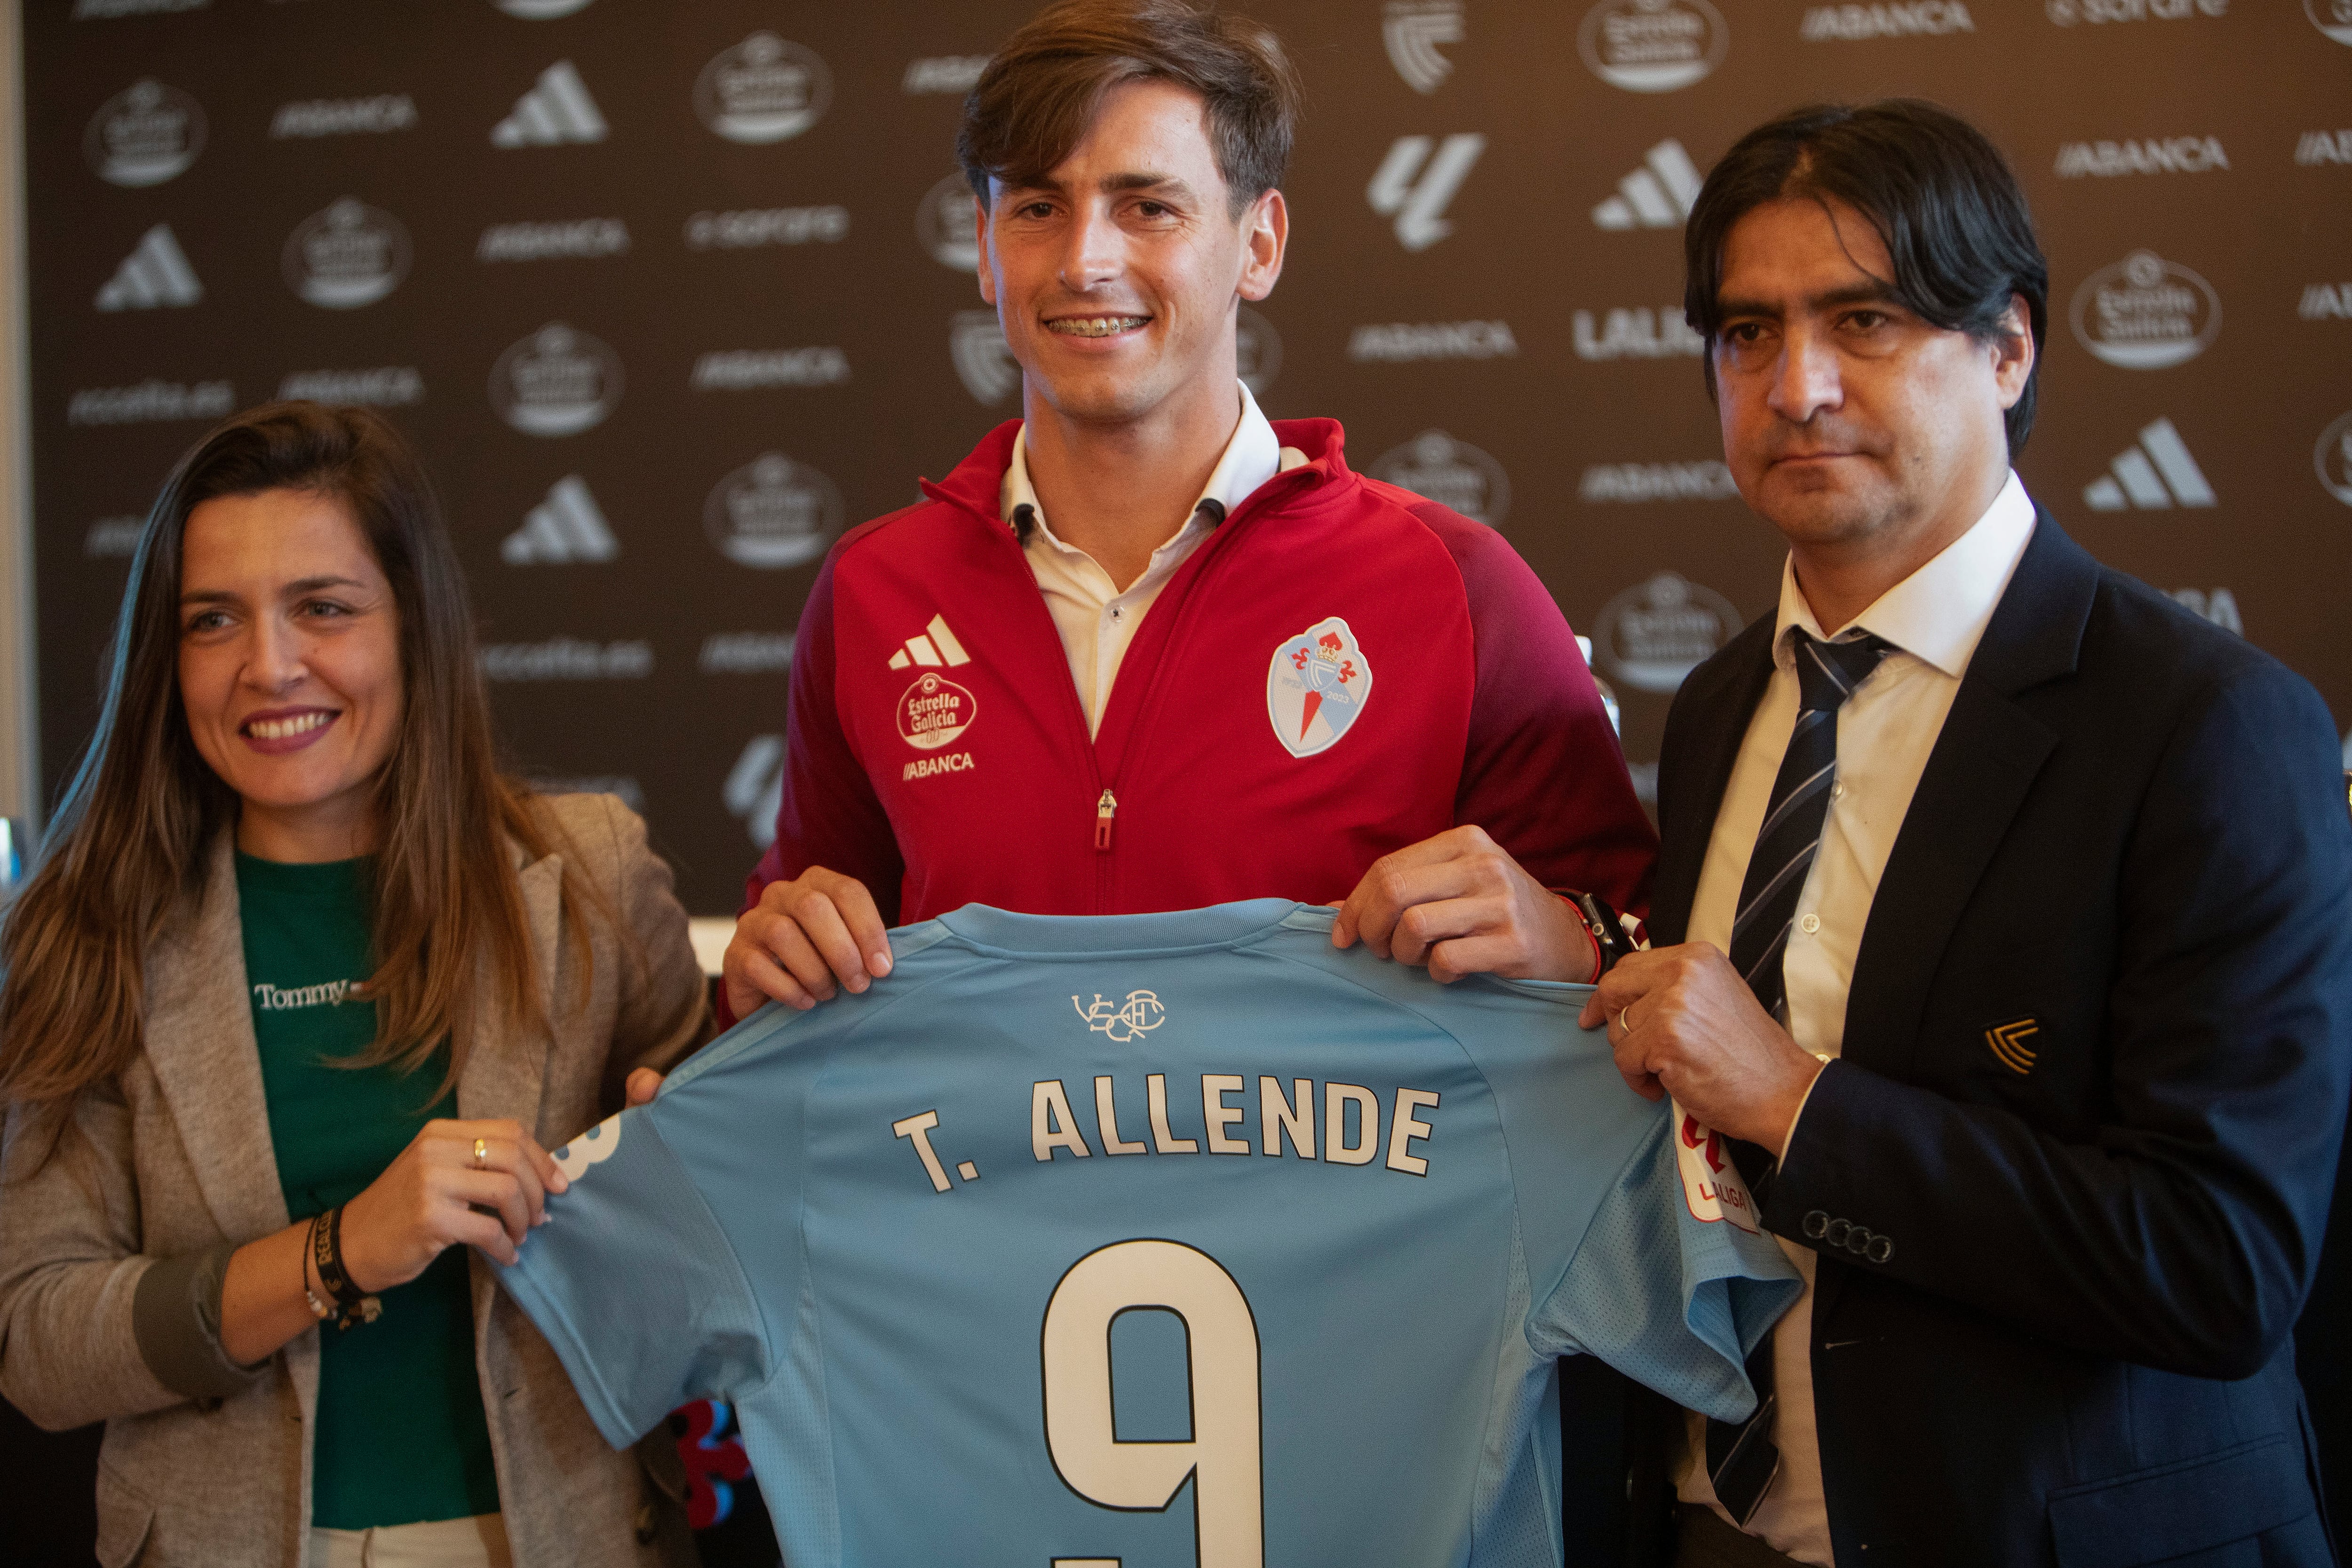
x: 1657, y: 195
x: 565, y: 528
x: 2155, y: 475
x: 1417, y: 195
x: 934, y: 647
x: 1412, y: 29
x: 155, y: 274
x: 556, y: 110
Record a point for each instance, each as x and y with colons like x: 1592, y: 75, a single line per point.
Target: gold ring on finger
x: 481, y: 1153
x: 1622, y: 1021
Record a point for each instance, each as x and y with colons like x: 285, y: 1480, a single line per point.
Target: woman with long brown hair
x: 300, y: 990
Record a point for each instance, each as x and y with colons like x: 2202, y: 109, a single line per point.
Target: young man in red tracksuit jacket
x: 1143, y: 650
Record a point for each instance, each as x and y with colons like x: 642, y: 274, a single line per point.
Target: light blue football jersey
x: 1157, y: 1241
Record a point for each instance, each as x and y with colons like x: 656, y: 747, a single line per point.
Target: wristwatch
x: 1608, y: 930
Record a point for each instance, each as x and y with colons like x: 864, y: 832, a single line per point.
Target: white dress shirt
x: 1934, y: 618
x: 1097, y: 617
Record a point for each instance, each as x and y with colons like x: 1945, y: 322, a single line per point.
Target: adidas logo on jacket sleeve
x: 1167, y: 1238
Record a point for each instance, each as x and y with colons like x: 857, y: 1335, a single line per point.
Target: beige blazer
x: 176, y: 1159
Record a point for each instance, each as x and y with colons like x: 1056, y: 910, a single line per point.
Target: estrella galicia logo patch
x: 1316, y: 687
x: 934, y: 711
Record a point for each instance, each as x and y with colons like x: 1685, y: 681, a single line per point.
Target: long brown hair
x: 128, y: 848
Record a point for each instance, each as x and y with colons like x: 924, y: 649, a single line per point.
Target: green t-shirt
x: 401, y: 1435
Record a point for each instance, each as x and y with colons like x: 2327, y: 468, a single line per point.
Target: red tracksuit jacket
x: 1341, y: 669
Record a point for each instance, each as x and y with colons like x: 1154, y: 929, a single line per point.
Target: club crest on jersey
x: 1122, y: 1022
x: 1316, y: 687
x: 934, y: 711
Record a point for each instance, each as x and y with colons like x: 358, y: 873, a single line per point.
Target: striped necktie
x: 1741, y: 1458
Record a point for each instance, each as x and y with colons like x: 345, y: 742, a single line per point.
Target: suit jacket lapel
x: 200, y: 1046
x: 506, y: 1071
x: 1718, y: 699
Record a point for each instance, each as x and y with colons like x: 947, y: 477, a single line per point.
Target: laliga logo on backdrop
x: 754, y: 790
x: 2332, y: 17
x: 2333, y: 459
x: 1652, y: 636
x: 772, y: 512
x: 557, y: 381
x: 1419, y: 205
x: 144, y: 135
x: 1412, y: 29
x: 944, y: 224
x: 1451, y: 472
x: 1257, y: 351
x: 346, y: 256
x: 1652, y: 46
x: 1131, y: 1020
x: 2146, y: 313
x: 763, y: 89
x: 982, y: 362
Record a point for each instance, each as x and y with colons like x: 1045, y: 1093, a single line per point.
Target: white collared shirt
x: 1096, y: 617
x: 1935, y: 619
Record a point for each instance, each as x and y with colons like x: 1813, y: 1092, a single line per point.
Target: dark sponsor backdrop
x: 670, y: 295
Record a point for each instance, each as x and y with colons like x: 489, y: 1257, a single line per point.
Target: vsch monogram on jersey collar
x: 1316, y: 687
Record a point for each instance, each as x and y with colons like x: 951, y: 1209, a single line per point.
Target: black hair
x: 1944, y: 200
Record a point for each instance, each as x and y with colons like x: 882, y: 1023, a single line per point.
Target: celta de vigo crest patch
x: 1316, y: 687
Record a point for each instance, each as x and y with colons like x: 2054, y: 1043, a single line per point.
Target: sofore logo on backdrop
x: 945, y: 224
x: 763, y: 89
x: 2092, y: 12
x: 774, y: 513
x: 144, y: 135
x: 1412, y: 29
x: 1652, y: 46
x: 557, y: 381
x: 2144, y: 313
x: 1654, y: 635
x: 347, y: 256
x: 1455, y: 474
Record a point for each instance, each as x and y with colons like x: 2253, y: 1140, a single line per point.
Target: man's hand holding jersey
x: 1456, y: 905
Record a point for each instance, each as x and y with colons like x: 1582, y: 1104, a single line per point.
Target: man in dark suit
x: 2004, y: 919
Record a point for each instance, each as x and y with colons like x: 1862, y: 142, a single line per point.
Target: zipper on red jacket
x: 1106, y: 809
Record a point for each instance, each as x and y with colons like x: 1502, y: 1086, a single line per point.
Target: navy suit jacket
x: 2097, y: 1049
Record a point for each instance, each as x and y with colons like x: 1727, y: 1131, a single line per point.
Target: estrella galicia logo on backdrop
x: 1122, y: 1022
x: 1415, y: 186
x: 754, y: 790
x: 1317, y: 686
x: 557, y: 381
x: 1656, y: 632
x: 1412, y: 29
x: 763, y: 89
x: 1257, y: 351
x: 541, y: 10
x: 144, y: 134
x: 2144, y: 313
x: 2332, y: 17
x: 943, y: 223
x: 982, y: 362
x: 1437, y: 467
x: 348, y: 255
x: 2333, y: 459
x: 1652, y: 46
x: 934, y: 711
x: 772, y: 512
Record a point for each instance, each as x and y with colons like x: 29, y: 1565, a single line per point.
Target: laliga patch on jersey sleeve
x: 1316, y: 687
x: 1711, y: 1183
